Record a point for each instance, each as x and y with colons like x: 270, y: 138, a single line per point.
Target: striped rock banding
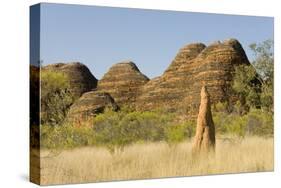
x: 90, y: 104
x: 179, y: 86
x: 81, y: 79
x: 122, y: 82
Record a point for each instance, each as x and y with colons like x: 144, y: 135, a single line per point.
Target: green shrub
x: 264, y: 64
x: 65, y: 136
x: 260, y: 122
x: 256, y: 122
x: 232, y: 124
x: 246, y: 85
x: 56, y: 97
x: 117, y: 129
x: 236, y: 125
x: 220, y: 107
x: 177, y: 133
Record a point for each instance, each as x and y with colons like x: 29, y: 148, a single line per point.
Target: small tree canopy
x: 254, y: 83
x: 264, y: 65
x: 245, y: 85
x: 56, y: 97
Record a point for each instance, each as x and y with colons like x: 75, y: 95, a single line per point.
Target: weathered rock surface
x: 81, y: 79
x: 122, y: 82
x: 186, y: 53
x: 179, y: 87
x: 205, y: 139
x: 90, y: 104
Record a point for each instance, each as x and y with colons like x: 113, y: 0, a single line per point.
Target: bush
x: 264, y: 65
x: 177, y: 133
x: 65, y: 136
x: 56, y: 97
x: 260, y: 122
x: 246, y: 85
x: 117, y: 129
x: 256, y: 122
x: 220, y: 107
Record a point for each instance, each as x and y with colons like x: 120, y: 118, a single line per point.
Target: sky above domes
x: 102, y: 36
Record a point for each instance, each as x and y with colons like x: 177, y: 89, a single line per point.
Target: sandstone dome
x: 81, y: 79
x: 122, y: 82
x: 90, y: 104
x: 179, y: 86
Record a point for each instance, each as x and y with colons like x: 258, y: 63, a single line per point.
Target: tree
x: 253, y: 83
x: 246, y: 86
x: 56, y: 97
x: 264, y: 65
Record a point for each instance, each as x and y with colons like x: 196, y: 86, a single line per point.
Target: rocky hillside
x: 90, y: 104
x: 123, y: 81
x: 194, y: 65
x: 177, y: 89
x: 81, y: 79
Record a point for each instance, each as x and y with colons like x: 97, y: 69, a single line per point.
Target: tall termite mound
x: 205, y: 139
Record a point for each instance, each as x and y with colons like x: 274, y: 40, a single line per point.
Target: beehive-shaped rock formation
x: 90, y: 104
x: 186, y: 53
x: 165, y: 91
x: 81, y: 79
x: 122, y: 82
x: 179, y: 87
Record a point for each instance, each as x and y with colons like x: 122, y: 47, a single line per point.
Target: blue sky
x: 102, y: 36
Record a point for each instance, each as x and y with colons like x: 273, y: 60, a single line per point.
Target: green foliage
x: 114, y: 130
x: 256, y: 122
x: 254, y: 83
x: 264, y: 65
x: 56, y: 97
x: 229, y: 124
x: 177, y: 133
x: 245, y: 85
x: 222, y: 107
x: 264, y: 59
x: 260, y: 122
x: 65, y: 136
x: 117, y: 129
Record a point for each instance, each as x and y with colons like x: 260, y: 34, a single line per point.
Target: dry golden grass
x: 154, y: 160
